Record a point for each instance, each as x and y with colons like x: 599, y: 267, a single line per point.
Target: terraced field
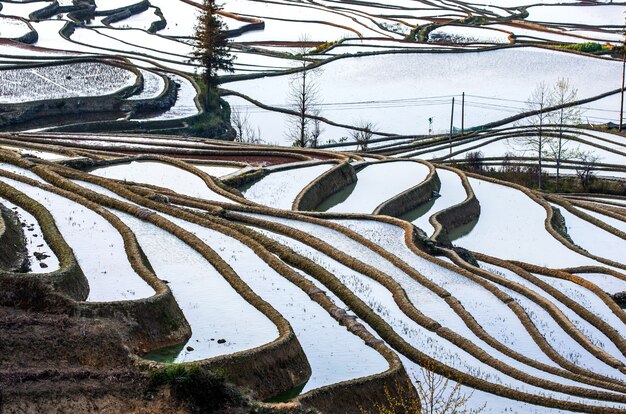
x: 431, y: 47
x: 340, y: 278
x: 524, y: 310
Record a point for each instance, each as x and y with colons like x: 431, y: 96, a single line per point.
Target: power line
x: 442, y: 100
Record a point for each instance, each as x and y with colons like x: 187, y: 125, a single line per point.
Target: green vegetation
x: 588, y: 47
x: 212, y: 50
x: 472, y: 20
x: 243, y: 181
x: 214, y: 122
x: 192, y: 384
x: 323, y: 47
x: 526, y: 175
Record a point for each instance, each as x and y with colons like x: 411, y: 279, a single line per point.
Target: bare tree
x: 474, y: 161
x: 562, y: 93
x: 316, y: 130
x: 363, y: 135
x: 303, y: 98
x: 245, y: 132
x: 400, y: 399
x: 441, y: 396
x: 538, y: 101
x: 436, y: 394
x: 542, y: 144
x: 585, y: 168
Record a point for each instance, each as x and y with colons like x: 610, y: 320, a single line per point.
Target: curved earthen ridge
x: 468, y: 211
x: 315, y: 399
x: 18, y: 113
x: 413, y: 197
x: 232, y: 219
x: 376, y: 383
x: 325, y: 186
x: 299, y: 236
x: 284, y: 351
x: 397, y: 294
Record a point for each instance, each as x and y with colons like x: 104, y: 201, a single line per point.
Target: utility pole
x: 451, y: 123
x: 540, y: 141
x: 621, y: 104
x: 463, y: 114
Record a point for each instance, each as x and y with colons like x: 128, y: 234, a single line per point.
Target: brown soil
x: 56, y: 363
x: 250, y: 159
x: 13, y: 254
x: 59, y: 364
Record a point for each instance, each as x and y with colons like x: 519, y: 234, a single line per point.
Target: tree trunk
x: 303, y: 108
x: 540, y: 146
x: 558, y: 167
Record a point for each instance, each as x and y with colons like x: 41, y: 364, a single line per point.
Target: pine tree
x: 212, y: 51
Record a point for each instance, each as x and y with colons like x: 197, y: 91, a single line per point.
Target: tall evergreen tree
x: 211, y: 51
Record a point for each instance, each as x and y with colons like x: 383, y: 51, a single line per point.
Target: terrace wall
x: 260, y: 25
x: 403, y: 302
x: 458, y: 215
x: 159, y: 24
x: 16, y: 113
x: 55, y: 290
x: 268, y: 370
x: 13, y: 254
x: 122, y: 13
x: 261, y: 373
x: 324, y: 186
x: 329, y: 280
x: 413, y: 197
x: 352, y: 397
x: 144, y: 330
x: 30, y: 37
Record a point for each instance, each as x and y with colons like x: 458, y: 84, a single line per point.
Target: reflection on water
x: 167, y: 354
x: 462, y: 231
x: 337, y: 198
x: 419, y: 211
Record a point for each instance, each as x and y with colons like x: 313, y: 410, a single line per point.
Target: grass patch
x: 214, y: 122
x: 323, y: 47
x: 588, y: 47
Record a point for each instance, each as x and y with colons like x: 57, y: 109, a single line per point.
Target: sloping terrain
x: 145, y: 268
x: 507, y: 309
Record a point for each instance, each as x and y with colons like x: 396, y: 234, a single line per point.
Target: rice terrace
x: 312, y: 206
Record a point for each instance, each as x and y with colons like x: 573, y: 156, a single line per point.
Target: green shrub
x: 323, y: 47
x: 203, y: 390
x: 589, y: 47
